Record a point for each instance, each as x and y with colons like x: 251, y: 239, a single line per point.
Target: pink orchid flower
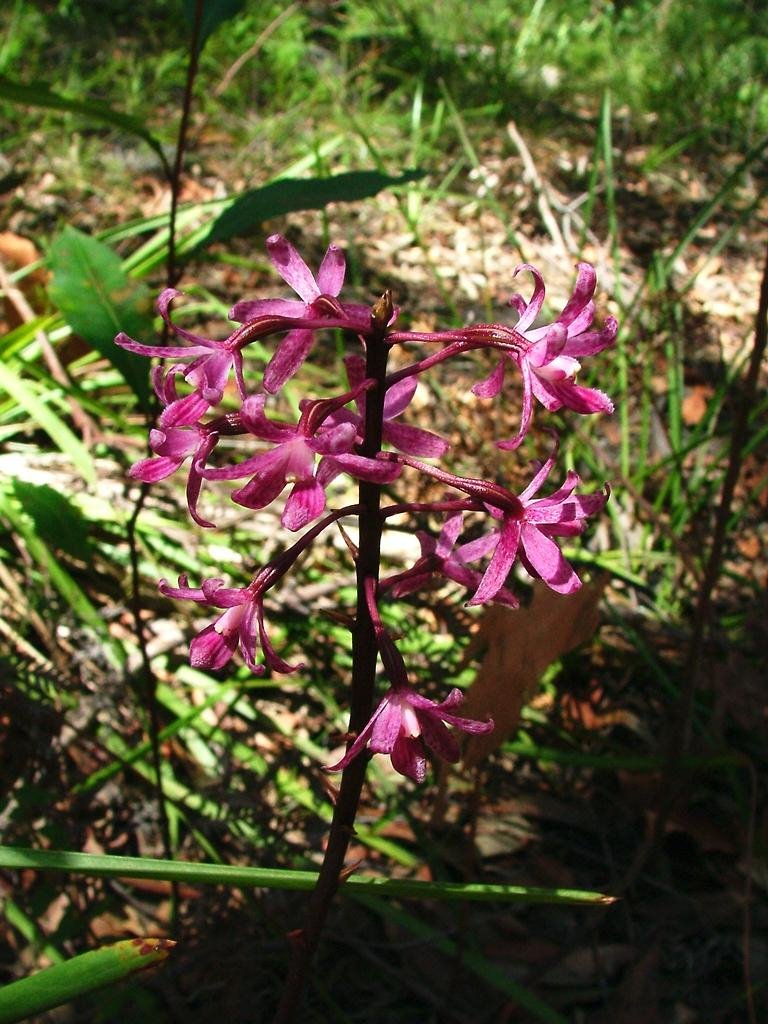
x: 295, y: 346
x: 549, y: 358
x: 528, y: 525
x: 208, y: 371
x: 441, y: 557
x: 241, y: 624
x: 405, y: 721
x: 171, y: 448
x: 409, y: 439
x: 292, y: 460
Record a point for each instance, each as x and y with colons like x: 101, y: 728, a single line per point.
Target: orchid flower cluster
x: 344, y: 434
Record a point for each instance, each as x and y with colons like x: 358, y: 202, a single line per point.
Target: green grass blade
x: 28, y: 927
x: 63, y: 982
x: 280, y: 878
x: 25, y: 395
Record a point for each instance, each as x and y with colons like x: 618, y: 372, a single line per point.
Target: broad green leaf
x: 24, y: 393
x: 73, y: 978
x: 215, y: 13
x: 250, y: 209
x: 280, y: 878
x: 97, y: 299
x: 40, y: 95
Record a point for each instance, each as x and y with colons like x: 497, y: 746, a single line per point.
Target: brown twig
x: 252, y: 50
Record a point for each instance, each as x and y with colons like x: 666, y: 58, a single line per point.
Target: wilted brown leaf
x: 519, y: 647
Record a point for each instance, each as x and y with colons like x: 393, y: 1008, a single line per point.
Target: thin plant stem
x: 148, y: 687
x: 172, y: 272
x: 675, y: 776
x: 364, y: 658
x: 714, y: 562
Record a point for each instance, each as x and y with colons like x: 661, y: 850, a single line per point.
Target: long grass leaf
x: 279, y: 878
x: 25, y: 395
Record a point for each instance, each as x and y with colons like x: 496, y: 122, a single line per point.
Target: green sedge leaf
x: 73, y: 978
x: 40, y: 95
x: 215, y: 13
x: 287, y: 195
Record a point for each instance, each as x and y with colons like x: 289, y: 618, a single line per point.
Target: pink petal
x: 387, y: 726
x: 542, y: 474
x: 533, y: 308
x: 583, y: 290
x: 360, y: 741
x: 264, y: 487
x: 292, y: 268
x: 588, y: 343
x: 252, y: 415
x: 288, y: 357
x: 547, y: 560
x: 305, y: 503
x: 175, y: 442
x: 449, y: 534
x: 408, y: 758
x: 491, y: 385
x: 549, y: 347
x: 546, y: 392
x: 330, y: 276
x: 151, y: 470
x: 211, y: 649
x: 399, y: 396
x: 478, y: 547
x: 276, y: 663
x: 334, y: 440
x: 163, y: 307
x: 250, y: 309
x: 414, y: 440
x: 183, y: 592
x: 582, y: 321
x: 361, y: 468
x: 209, y: 375
x: 579, y: 399
x: 495, y: 575
x: 164, y: 351
x: 184, y: 412
x: 438, y: 738
x: 221, y: 596
x: 526, y: 411
x: 360, y: 315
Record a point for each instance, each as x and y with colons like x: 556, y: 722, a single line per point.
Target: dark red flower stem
x: 364, y: 656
